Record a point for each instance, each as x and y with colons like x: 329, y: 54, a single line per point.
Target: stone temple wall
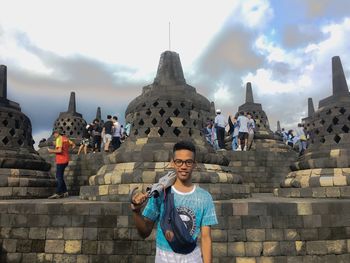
x: 251, y: 230
x: 262, y: 170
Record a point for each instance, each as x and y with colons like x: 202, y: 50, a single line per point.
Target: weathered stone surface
x: 167, y: 111
x: 21, y: 166
x: 328, y: 152
x: 303, y: 230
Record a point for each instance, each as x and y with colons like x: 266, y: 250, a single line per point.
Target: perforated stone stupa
x: 70, y: 122
x: 323, y: 171
x: 262, y: 129
x: 23, y: 173
x: 168, y: 110
x: 265, y: 165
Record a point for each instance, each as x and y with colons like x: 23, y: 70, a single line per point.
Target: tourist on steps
x: 107, y: 132
x: 242, y: 132
x: 220, y: 124
x: 62, y: 145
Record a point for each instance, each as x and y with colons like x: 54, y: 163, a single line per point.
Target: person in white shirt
x: 242, y: 132
x: 301, y: 138
x: 117, y: 133
x: 220, y: 124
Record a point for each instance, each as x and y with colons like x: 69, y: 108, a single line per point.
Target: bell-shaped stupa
x: 24, y: 174
x: 262, y: 126
x: 167, y: 111
x: 324, y: 169
x: 70, y: 122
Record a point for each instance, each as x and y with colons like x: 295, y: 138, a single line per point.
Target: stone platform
x: 255, y: 230
x: 113, y: 182
x: 316, y: 183
x: 24, y: 184
x: 263, y: 167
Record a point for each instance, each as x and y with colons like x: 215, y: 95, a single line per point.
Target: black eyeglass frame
x: 188, y: 162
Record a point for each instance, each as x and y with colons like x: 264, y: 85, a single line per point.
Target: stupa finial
x: 340, y: 87
x: 3, y: 81
x: 249, y: 93
x: 72, y: 104
x: 169, y: 70
x: 310, y: 107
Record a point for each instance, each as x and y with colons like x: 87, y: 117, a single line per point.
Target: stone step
x: 259, y: 229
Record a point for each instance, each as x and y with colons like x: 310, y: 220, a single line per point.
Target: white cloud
x: 310, y: 65
x: 265, y: 84
x: 336, y: 42
x: 256, y: 13
x: 251, y: 14
x: 11, y: 53
x: 222, y: 95
x: 129, y: 33
x: 275, y: 53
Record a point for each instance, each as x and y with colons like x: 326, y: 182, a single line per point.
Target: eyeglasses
x: 179, y: 162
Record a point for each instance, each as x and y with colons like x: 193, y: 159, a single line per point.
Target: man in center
x: 194, y: 205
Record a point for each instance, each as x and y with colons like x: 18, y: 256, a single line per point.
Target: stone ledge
x: 342, y: 192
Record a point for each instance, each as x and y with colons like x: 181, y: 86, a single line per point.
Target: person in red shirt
x: 62, y: 145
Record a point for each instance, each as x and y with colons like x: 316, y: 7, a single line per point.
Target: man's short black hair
x: 109, y: 116
x: 58, y: 130
x: 184, y: 145
x: 115, y: 118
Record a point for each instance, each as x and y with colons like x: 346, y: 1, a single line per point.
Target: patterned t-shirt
x: 196, y: 209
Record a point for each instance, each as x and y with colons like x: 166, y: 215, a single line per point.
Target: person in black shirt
x: 96, y: 135
x: 85, y: 141
x: 107, y: 132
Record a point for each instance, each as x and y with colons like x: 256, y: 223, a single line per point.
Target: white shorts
x: 85, y: 141
x: 163, y: 256
x: 107, y: 138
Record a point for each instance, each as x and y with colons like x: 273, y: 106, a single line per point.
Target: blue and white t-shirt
x: 196, y: 209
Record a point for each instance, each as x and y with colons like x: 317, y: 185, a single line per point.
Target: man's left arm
x: 206, y: 244
x: 58, y: 146
x: 72, y: 144
x: 57, y: 150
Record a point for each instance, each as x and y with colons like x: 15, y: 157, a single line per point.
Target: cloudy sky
x: 106, y: 51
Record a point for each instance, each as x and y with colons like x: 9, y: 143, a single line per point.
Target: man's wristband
x: 136, y: 211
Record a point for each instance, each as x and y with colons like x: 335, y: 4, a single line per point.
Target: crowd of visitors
x: 297, y: 139
x: 107, y: 135
x: 241, y: 128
